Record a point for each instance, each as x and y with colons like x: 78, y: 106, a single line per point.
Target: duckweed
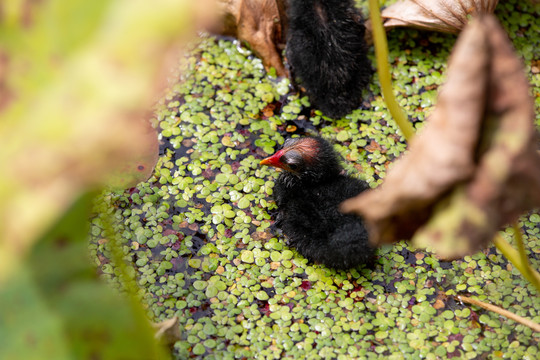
x: 200, y: 232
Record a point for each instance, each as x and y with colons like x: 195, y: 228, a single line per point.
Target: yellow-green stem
x: 514, y: 257
x: 383, y: 69
x: 521, y: 249
x: 126, y: 280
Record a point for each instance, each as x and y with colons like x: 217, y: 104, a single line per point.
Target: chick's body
x: 308, y: 196
x: 327, y: 53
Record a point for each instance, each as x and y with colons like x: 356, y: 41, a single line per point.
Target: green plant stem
x: 383, y: 69
x: 522, y: 253
x: 128, y: 282
x: 501, y: 311
x: 516, y: 259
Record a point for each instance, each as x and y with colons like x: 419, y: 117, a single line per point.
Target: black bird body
x: 327, y: 53
x: 308, y: 197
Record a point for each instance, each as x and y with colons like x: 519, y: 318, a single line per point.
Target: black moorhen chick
x: 327, y: 53
x: 308, y: 193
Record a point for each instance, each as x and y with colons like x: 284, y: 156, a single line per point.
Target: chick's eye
x: 293, y: 166
x: 292, y: 160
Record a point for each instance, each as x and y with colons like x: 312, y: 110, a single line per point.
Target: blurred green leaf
x: 56, y: 307
x: 78, y: 79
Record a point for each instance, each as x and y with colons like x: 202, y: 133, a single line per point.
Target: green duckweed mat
x: 200, y: 236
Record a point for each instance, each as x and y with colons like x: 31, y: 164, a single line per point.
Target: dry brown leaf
x: 440, y: 15
x: 260, y: 23
x: 474, y: 167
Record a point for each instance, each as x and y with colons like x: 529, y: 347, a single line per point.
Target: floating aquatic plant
x: 218, y: 264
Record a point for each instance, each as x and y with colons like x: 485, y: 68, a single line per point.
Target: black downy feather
x: 308, y: 199
x: 327, y: 53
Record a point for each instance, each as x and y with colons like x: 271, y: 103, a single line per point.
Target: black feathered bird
x: 308, y: 193
x: 327, y: 53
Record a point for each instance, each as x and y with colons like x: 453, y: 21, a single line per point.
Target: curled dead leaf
x: 260, y: 23
x: 449, y: 16
x: 440, y: 15
x: 474, y: 167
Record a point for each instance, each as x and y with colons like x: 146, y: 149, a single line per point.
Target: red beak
x: 273, y: 160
